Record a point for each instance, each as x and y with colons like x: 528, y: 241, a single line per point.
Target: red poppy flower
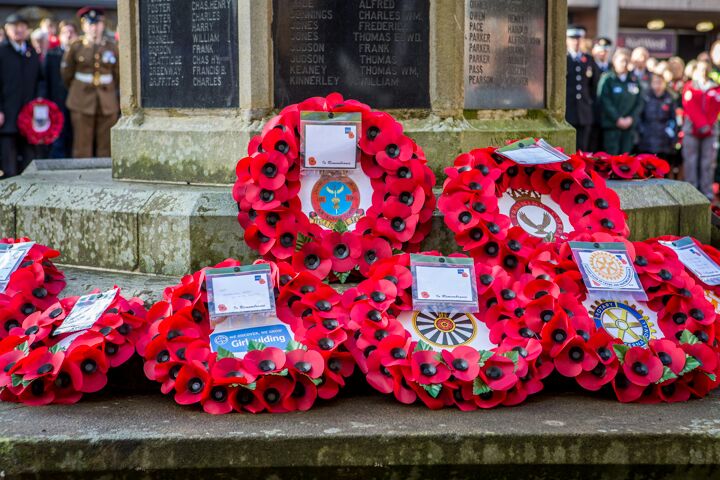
x: 264, y: 362
x: 314, y: 258
x: 345, y: 248
x: 641, y: 367
x: 462, y: 362
x: 499, y: 373
x: 372, y: 249
x: 193, y: 383
x: 230, y: 370
x: 307, y: 362
x: 93, y: 367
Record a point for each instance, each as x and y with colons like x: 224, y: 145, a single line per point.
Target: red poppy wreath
x: 329, y: 224
x: 40, y: 121
x: 442, y: 359
x: 625, y: 166
x: 33, y: 285
x: 39, y: 366
x: 314, y: 364
x: 499, y: 210
x: 663, y: 349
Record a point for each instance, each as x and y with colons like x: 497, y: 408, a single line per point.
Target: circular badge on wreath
x: 500, y: 211
x: 440, y: 358
x: 334, y: 225
x: 40, y: 121
x: 663, y: 349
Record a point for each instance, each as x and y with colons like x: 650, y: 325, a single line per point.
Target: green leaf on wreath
x: 687, y: 337
x: 224, y: 353
x: 439, y: 357
x: 340, y: 227
x: 484, y: 357
x: 301, y: 241
x: 422, y: 346
x: 17, y: 380
x: 691, y: 363
x: 317, y: 381
x: 55, y: 348
x: 253, y: 345
x: 342, y: 276
x: 711, y: 376
x: 620, y: 351
x: 512, y: 355
x: 397, y: 251
x: 293, y: 345
x: 249, y: 386
x: 480, y: 387
x: 24, y: 347
x: 433, y: 390
x: 667, y: 375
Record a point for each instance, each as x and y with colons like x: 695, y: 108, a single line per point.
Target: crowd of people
x: 623, y: 101
x: 73, y: 65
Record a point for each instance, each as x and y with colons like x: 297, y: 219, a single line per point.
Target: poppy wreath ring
x: 270, y: 210
x: 44, y: 135
x: 33, y: 286
x: 670, y: 350
x: 315, y: 364
x: 625, y: 167
x: 396, y: 361
x: 540, y: 202
x: 38, y: 368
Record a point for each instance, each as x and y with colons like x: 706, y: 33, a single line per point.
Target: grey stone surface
x: 69, y: 164
x: 367, y: 436
x: 660, y: 207
x: 149, y: 288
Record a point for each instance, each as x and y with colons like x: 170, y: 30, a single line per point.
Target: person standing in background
x: 56, y: 90
x: 656, y: 126
x: 638, y: 66
x: 619, y: 92
x: 601, y: 53
x: 701, y: 104
x: 48, y: 26
x: 20, y: 82
x: 90, y: 71
x: 581, y: 84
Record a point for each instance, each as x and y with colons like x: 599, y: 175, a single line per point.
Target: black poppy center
x: 312, y: 261
x: 266, y: 365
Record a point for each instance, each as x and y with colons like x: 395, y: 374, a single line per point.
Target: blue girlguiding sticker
x: 237, y: 341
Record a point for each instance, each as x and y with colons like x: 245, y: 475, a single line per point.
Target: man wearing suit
x: 581, y: 87
x: 20, y: 82
x: 57, y: 92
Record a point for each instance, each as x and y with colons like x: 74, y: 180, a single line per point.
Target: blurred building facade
x: 665, y: 27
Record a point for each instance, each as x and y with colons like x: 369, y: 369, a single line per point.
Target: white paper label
x: 247, y: 293
x: 696, y: 260
x: 11, y: 256
x: 330, y: 146
x: 87, y: 311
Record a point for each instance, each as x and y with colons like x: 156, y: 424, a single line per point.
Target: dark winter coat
x: 656, y: 121
x: 20, y: 81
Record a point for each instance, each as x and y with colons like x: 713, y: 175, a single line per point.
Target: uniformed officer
x: 601, y: 53
x: 581, y: 87
x: 90, y: 70
x: 619, y: 92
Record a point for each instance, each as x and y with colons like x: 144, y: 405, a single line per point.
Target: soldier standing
x: 581, y: 88
x: 90, y: 71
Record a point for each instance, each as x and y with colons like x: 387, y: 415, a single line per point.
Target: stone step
x: 569, y: 436
x: 168, y: 229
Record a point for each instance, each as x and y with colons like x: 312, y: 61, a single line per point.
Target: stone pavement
x: 367, y: 436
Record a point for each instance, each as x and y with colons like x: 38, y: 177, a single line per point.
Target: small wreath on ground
x: 664, y: 349
x: 500, y: 210
x: 34, y: 285
x: 38, y: 367
x: 442, y: 359
x: 625, y: 166
x: 387, y: 204
x: 315, y: 363
x: 40, y: 121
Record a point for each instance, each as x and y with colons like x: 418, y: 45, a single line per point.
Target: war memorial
x: 216, y: 96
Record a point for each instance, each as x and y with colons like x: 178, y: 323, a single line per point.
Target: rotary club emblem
x: 607, y: 269
x: 624, y: 321
x: 335, y: 198
x: 445, y: 330
x: 535, y: 214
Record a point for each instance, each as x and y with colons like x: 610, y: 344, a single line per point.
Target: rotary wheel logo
x: 445, y: 330
x: 334, y: 199
x: 623, y: 321
x: 537, y: 219
x: 606, y: 266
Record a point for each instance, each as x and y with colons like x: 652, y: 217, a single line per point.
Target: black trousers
x: 582, y: 139
x: 15, y: 154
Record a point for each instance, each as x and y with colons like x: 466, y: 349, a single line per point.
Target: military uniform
x: 619, y: 98
x: 581, y: 86
x: 90, y: 72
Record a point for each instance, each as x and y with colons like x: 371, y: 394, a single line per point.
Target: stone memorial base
x: 76, y: 207
x: 203, y: 149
